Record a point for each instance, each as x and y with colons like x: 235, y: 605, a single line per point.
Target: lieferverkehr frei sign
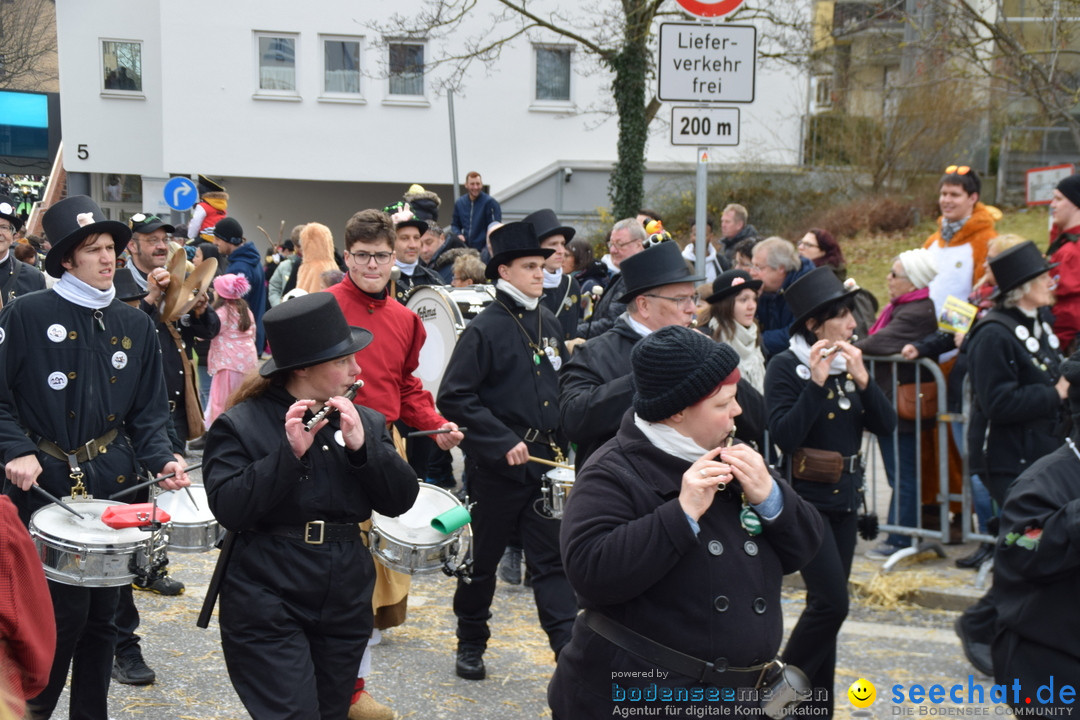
x: 707, y: 63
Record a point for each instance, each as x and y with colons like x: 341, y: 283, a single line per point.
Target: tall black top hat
x: 1015, y: 266
x: 309, y: 330
x: 126, y: 287
x: 815, y: 289
x: 7, y: 212
x: 511, y: 241
x: 730, y: 283
x: 70, y: 221
x: 546, y: 223
x: 661, y: 264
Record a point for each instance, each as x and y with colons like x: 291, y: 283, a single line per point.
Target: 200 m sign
x: 704, y: 126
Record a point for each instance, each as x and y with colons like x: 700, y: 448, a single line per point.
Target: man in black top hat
x: 594, y: 387
x: 562, y: 293
x: 501, y: 383
x: 16, y: 277
x: 82, y: 407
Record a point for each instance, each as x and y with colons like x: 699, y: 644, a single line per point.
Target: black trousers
x: 127, y: 622
x: 1033, y: 664
x: 812, y: 644
x: 502, y: 506
x: 85, y: 641
x: 295, y: 620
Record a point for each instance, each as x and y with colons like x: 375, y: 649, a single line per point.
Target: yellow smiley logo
x: 862, y: 693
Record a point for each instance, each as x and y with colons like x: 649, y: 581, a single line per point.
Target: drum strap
x: 84, y: 453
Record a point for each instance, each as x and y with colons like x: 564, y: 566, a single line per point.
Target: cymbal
x: 176, y: 268
x: 191, y: 289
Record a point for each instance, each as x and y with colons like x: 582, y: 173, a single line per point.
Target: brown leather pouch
x: 909, y: 403
x: 823, y: 466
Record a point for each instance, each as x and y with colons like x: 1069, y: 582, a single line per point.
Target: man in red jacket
x: 389, y: 387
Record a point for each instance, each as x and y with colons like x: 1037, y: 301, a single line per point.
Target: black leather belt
x: 84, y: 453
x: 315, y: 532
x: 532, y: 435
x: 852, y: 463
x: 717, y: 672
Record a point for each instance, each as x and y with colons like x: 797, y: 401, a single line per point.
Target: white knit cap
x: 918, y: 266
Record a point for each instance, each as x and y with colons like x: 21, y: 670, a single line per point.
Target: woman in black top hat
x: 820, y: 400
x: 1014, y: 362
x: 296, y: 598
x: 730, y: 318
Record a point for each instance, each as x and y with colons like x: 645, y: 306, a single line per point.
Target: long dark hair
x: 724, y: 314
x: 833, y: 255
x: 254, y: 385
x: 238, y: 306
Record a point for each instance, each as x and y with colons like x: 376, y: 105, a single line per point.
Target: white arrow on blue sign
x: 181, y: 193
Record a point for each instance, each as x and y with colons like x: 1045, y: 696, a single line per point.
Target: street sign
x: 709, y: 8
x: 1040, y: 183
x: 707, y: 63
x: 703, y: 126
x: 181, y: 193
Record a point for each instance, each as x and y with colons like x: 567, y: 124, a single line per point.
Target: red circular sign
x: 709, y: 9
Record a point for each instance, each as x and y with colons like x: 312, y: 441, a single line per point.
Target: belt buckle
x: 321, y: 524
x: 91, y: 450
x: 531, y: 435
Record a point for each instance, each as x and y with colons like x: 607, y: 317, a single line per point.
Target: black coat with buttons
x: 803, y: 414
x: 70, y: 378
x: 631, y: 554
x: 421, y: 276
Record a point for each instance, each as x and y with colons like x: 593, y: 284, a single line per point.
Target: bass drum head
x: 443, y: 322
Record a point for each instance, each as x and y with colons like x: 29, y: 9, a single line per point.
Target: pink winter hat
x: 231, y: 286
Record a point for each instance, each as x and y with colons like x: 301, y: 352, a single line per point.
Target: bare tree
x: 28, y: 44
x: 618, y: 36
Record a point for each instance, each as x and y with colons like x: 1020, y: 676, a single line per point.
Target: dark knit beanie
x: 675, y: 367
x: 229, y: 230
x: 1070, y: 188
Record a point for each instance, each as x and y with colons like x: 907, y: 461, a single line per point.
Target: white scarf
x: 529, y: 303
x: 140, y: 279
x: 837, y: 365
x: 552, y: 279
x: 670, y: 440
x: 751, y: 361
x: 408, y: 269
x: 76, y: 291
x: 636, y: 326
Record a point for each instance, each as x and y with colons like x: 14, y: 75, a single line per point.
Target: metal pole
x: 454, y: 185
x: 699, y: 210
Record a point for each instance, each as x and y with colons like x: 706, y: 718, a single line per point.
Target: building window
x: 341, y: 65
x: 553, y: 74
x: 822, y: 87
x: 277, y: 63
x: 406, y: 68
x: 121, y: 66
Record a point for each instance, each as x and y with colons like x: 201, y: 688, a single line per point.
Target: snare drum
x: 85, y: 551
x: 193, y: 528
x: 410, y: 545
x: 444, y: 311
x: 557, y: 483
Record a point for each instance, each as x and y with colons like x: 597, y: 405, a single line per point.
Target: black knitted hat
x: 675, y: 367
x: 1070, y: 188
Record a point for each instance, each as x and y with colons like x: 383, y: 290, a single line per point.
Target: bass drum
x: 444, y: 311
x: 85, y: 551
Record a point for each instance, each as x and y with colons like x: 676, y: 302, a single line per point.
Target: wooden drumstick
x: 542, y: 461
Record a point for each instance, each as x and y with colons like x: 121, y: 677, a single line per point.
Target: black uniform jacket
x: 606, y: 310
x: 421, y: 276
x: 564, y: 302
x: 1015, y: 391
x: 1037, y: 562
x: 18, y: 279
x: 253, y: 478
x: 69, y: 381
x: 630, y: 554
x: 499, y: 387
x: 802, y: 414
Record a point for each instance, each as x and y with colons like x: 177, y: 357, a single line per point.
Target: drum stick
x: 191, y: 497
x: 542, y: 461
x: 440, y: 431
x: 56, y: 500
x: 154, y: 481
x: 327, y: 409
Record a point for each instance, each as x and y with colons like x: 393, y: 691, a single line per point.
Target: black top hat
x: 511, y: 241
x: 395, y: 212
x: 1015, y: 266
x: 813, y: 290
x: 72, y: 220
x: 207, y: 185
x: 126, y: 287
x: 730, y: 283
x: 229, y: 230
x: 546, y: 223
x: 661, y: 264
x: 146, y: 224
x: 309, y: 330
x: 7, y: 211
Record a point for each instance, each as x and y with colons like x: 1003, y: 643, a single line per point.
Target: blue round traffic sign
x: 181, y: 193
